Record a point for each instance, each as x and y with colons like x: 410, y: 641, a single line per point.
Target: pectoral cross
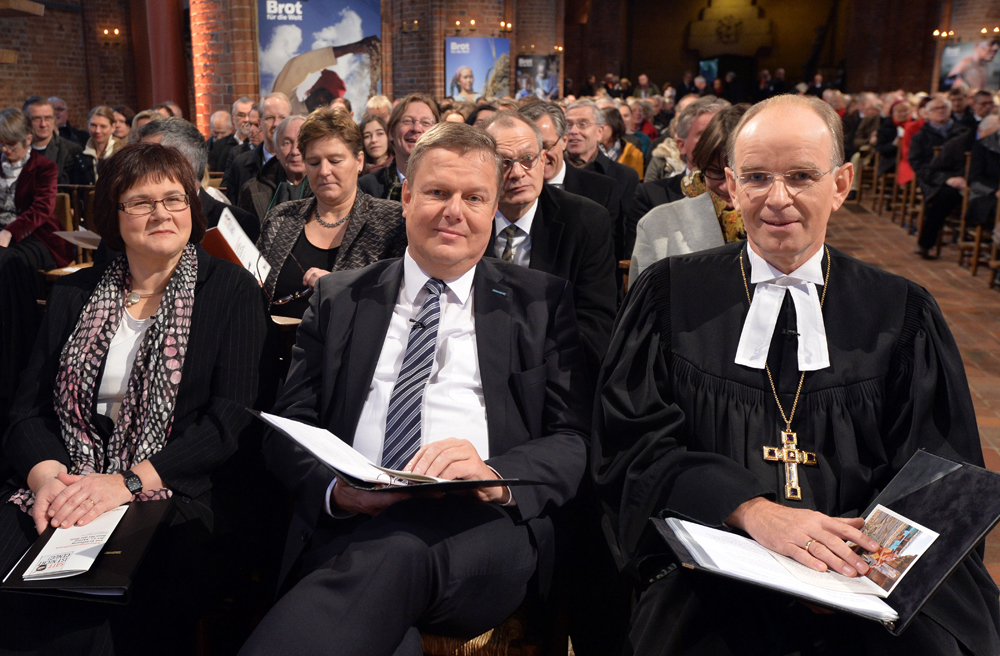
x: 790, y: 454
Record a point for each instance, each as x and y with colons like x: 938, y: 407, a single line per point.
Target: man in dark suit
x: 274, y: 109
x: 584, y: 123
x: 414, y: 115
x: 218, y: 152
x: 551, y: 122
x: 46, y: 140
x: 395, y: 359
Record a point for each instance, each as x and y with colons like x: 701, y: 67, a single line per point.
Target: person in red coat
x: 28, y: 185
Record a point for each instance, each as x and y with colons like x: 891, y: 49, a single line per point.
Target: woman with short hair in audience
x: 28, y: 186
x: 378, y: 148
x: 890, y: 134
x: 139, y: 120
x: 102, y: 143
x: 136, y: 390
x: 123, y: 122
x: 615, y: 146
x: 340, y: 228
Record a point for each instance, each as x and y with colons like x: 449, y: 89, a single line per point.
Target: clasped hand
x: 451, y: 458
x: 66, y: 500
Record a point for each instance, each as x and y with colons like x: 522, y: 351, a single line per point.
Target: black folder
x: 961, y: 502
x: 110, y: 578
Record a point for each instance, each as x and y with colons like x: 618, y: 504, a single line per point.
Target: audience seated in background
x: 102, y: 143
x: 286, y: 182
x: 982, y: 104
x: 19, y: 316
x: 176, y: 336
x: 123, y: 122
x: 705, y: 218
x: 340, y: 228
x: 662, y: 164
x: 984, y: 174
x: 414, y: 115
x: 890, y: 135
x: 28, y: 185
x: 378, y: 148
x: 961, y: 107
x: 613, y: 144
x: 490, y: 353
x: 218, y: 154
x: 46, y: 141
x: 67, y: 131
x: 274, y: 109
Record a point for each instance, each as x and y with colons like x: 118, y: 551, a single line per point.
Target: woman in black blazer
x: 137, y: 389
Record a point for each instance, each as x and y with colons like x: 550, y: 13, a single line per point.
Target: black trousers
x: 699, y: 614
x: 454, y: 566
x: 936, y: 210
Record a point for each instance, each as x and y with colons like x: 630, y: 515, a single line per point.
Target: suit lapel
x: 493, y: 343
x: 546, y: 233
x: 371, y: 323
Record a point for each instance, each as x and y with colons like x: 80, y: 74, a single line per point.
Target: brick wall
x: 65, y: 53
x: 903, y: 58
x: 597, y: 46
x: 968, y: 17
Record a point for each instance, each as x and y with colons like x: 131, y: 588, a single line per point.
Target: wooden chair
x: 968, y: 242
x: 950, y: 230
x: 624, y: 264
x: 882, y: 184
x: 499, y: 641
x: 215, y: 180
x: 868, y: 173
x: 994, y: 263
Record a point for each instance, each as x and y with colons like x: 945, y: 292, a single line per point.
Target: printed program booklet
x: 72, y: 551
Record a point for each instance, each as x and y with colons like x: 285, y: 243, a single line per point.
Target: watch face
x: 133, y: 482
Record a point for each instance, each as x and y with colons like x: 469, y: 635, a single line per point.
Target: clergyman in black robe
x: 680, y: 426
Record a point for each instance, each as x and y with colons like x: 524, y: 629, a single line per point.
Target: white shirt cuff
x: 336, y: 513
x: 510, y: 502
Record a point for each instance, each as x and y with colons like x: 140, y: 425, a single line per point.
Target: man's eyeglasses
x: 143, y: 206
x: 580, y: 125
x: 527, y: 162
x: 409, y: 122
x: 759, y: 182
x: 43, y: 119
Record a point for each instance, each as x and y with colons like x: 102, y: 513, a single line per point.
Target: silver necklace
x: 330, y: 225
x: 134, y: 297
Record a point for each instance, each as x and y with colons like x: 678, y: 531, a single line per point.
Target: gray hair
x: 989, y: 125
x: 829, y: 115
x: 592, y: 106
x: 704, y: 105
x: 458, y: 138
x: 241, y: 101
x: 535, y: 110
x: 179, y: 134
x: 508, y: 118
x: 943, y: 97
x: 279, y: 132
x: 14, y: 126
x: 221, y: 114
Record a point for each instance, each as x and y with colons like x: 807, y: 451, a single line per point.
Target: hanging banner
x: 538, y: 76
x: 973, y: 65
x: 476, y: 66
x: 315, y: 51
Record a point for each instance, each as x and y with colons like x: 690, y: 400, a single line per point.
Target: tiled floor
x: 971, y: 308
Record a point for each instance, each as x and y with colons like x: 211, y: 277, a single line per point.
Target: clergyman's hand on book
x: 812, y: 538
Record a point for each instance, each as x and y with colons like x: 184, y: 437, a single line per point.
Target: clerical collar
x: 769, y: 293
x: 414, y: 279
x: 524, y: 223
x: 559, y: 178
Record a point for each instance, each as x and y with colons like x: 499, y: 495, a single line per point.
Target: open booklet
x: 229, y: 242
x: 358, y: 471
x: 72, y: 551
x: 83, y: 238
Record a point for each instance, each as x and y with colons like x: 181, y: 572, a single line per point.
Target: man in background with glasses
x: 415, y: 114
x: 46, y: 140
x: 724, y: 358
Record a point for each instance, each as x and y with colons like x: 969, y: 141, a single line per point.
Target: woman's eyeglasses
x: 143, y: 206
x: 284, y: 300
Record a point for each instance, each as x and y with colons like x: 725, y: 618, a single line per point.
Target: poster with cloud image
x: 973, y: 65
x: 476, y: 66
x: 315, y: 51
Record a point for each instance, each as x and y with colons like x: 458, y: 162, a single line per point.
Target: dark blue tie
x: 402, y: 422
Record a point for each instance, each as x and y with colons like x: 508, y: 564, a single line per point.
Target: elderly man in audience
x: 67, y: 131
x: 220, y: 125
x: 179, y: 134
x: 415, y: 114
x: 940, y: 177
x: 984, y: 173
x: 444, y: 363
x: 860, y: 134
x: 28, y: 198
x: 274, y: 109
x: 47, y: 142
x: 276, y: 185
x: 709, y: 354
x: 340, y: 228
x: 218, y: 155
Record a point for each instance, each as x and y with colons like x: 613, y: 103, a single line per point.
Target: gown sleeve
x: 640, y: 461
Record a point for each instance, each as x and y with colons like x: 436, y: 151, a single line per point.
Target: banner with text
x: 537, y: 75
x: 476, y: 66
x: 315, y: 51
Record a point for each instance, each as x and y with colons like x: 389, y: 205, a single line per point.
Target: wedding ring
x: 809, y: 544
x: 92, y: 502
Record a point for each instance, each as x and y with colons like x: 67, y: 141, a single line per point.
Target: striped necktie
x: 509, y: 233
x: 402, y: 423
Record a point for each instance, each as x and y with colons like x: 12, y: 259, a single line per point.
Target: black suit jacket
x: 220, y: 376
x: 626, y: 180
x: 380, y: 183
x: 534, y: 386
x: 245, y: 167
x: 218, y: 153
x: 594, y: 186
x: 571, y: 237
x: 212, y: 209
x: 652, y: 194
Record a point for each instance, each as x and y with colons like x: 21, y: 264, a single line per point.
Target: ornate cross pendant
x: 790, y: 454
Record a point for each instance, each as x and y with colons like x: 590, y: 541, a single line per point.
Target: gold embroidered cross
x: 790, y: 454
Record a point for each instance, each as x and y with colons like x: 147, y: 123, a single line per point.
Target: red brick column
x: 224, y: 55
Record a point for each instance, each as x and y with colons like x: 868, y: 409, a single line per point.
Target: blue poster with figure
x: 315, y: 51
x: 476, y: 66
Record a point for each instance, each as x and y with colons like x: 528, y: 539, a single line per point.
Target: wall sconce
x: 506, y: 27
x: 472, y: 25
x: 415, y: 27
x: 458, y: 27
x: 110, y: 35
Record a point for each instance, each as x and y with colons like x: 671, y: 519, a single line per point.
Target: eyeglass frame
x: 791, y: 191
x: 408, y: 122
x: 508, y: 163
x: 284, y: 300
x: 163, y: 201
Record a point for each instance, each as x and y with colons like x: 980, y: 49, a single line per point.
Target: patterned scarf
x: 9, y: 174
x: 147, y: 411
x: 730, y: 221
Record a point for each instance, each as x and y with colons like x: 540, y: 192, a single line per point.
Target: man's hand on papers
x: 353, y: 500
x: 812, y: 538
x: 84, y: 498
x: 456, y: 459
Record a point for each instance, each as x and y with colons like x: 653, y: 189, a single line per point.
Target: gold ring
x: 809, y: 544
x: 92, y: 502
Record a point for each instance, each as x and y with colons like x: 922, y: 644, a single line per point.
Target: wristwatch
x: 132, y: 482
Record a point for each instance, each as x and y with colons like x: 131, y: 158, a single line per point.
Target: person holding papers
x: 443, y: 363
x: 775, y: 386
x: 136, y: 390
x: 340, y: 228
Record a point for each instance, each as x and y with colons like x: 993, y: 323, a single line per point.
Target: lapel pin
x: 497, y: 291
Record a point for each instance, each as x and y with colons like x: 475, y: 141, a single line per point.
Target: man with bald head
x: 718, y: 353
x: 274, y: 109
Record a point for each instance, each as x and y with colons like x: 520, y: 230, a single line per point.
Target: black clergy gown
x: 679, y: 427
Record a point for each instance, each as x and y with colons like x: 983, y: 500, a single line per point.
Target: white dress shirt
x: 118, y: 364
x: 768, y: 295
x: 522, y: 242
x: 559, y: 178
